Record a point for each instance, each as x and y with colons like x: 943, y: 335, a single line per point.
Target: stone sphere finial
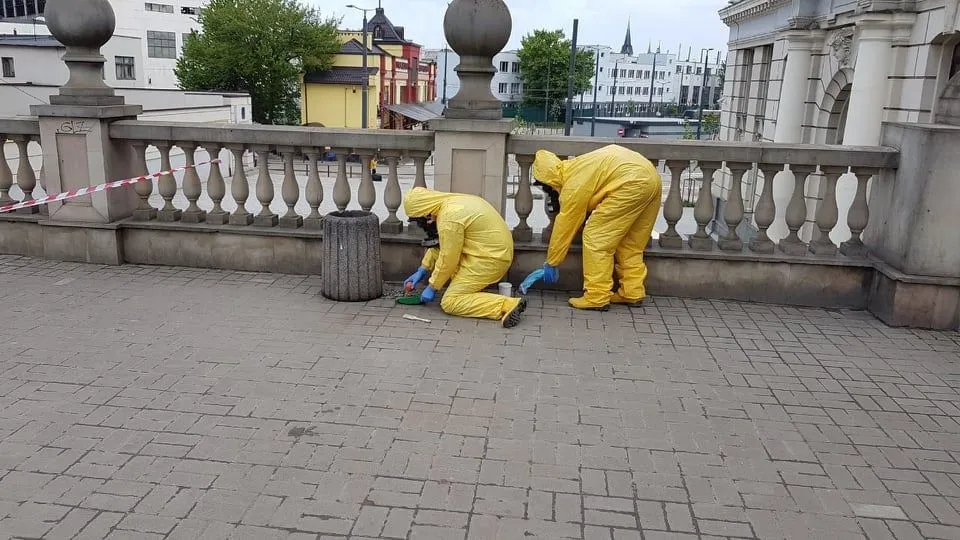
x: 476, y: 30
x: 477, y: 27
x: 87, y: 24
x: 83, y: 26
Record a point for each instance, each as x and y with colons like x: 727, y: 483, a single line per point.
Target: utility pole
x: 365, y: 84
x: 546, y: 101
x: 706, y: 58
x: 568, y: 120
x: 446, y: 69
x: 596, y: 84
x: 653, y: 77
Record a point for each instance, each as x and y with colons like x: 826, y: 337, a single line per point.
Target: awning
x: 419, y: 112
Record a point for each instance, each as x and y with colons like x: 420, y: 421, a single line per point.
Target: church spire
x: 627, y: 48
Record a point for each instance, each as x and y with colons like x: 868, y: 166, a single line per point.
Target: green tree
x: 711, y: 125
x: 544, y: 66
x: 261, y: 47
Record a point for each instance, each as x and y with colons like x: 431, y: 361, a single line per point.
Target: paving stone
x: 193, y: 403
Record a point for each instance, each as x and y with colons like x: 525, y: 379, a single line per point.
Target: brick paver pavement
x: 143, y: 402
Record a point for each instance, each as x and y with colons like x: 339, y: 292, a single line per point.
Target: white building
x: 160, y: 26
x: 506, y: 84
x: 628, y: 84
x: 797, y: 70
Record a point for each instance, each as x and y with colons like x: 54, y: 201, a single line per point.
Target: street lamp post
x: 653, y: 77
x: 446, y: 69
x: 596, y: 83
x: 706, y: 57
x: 365, y: 85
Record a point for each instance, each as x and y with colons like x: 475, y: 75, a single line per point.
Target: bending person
x: 469, y: 246
x: 621, y: 191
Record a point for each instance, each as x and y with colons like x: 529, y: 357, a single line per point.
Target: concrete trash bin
x: 351, y: 262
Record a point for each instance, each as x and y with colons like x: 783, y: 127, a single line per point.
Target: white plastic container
x: 506, y: 289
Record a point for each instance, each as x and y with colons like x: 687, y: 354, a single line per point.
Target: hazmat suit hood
x: 548, y: 169
x: 421, y: 202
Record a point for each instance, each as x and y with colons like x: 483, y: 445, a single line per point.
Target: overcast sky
x: 694, y: 23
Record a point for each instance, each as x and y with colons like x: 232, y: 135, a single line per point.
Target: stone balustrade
x: 19, y: 176
x: 729, y: 164
x: 291, y: 145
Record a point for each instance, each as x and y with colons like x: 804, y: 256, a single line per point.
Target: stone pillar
x: 795, y: 86
x: 471, y: 138
x: 870, y: 86
x: 74, y: 134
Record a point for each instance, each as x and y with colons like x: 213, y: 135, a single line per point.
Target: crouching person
x: 470, y: 248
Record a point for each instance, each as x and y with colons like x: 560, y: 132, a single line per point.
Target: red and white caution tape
x: 96, y: 189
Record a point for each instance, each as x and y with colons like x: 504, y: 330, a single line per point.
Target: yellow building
x: 333, y: 98
x: 400, y: 81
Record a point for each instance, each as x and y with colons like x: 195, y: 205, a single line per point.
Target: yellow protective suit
x: 621, y: 190
x: 476, y: 250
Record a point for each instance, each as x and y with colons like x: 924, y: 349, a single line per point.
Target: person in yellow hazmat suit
x: 470, y: 247
x: 621, y: 191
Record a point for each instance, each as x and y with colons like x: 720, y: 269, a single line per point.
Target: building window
x: 8, y: 70
x: 515, y: 88
x: 502, y: 88
x: 504, y: 67
x: 161, y: 44
x: 708, y: 72
x: 243, y: 113
x: 189, y: 10
x: 646, y: 91
x: 622, y: 91
x: 679, y: 69
x: 158, y: 8
x: 378, y: 32
x: 632, y: 73
x: 613, y: 90
x: 516, y: 67
x: 126, y: 70
x: 689, y: 70
x: 623, y: 73
x: 660, y: 91
x: 601, y: 70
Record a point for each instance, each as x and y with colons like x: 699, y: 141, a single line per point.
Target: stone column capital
x: 803, y: 40
x: 883, y: 26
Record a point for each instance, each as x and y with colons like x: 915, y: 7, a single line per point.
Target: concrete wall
x: 42, y: 65
x: 339, y: 106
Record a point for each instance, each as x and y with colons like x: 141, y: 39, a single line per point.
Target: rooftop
x: 203, y: 402
x: 338, y: 75
x: 11, y: 40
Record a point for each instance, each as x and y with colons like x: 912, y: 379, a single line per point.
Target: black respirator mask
x: 553, y: 197
x: 429, y: 228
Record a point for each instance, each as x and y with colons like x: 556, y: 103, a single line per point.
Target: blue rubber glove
x: 428, y: 295
x: 550, y: 274
x: 534, y: 277
x: 414, y: 280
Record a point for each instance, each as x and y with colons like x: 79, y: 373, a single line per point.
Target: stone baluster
x: 796, y: 212
x: 290, y: 190
x: 314, y: 191
x: 827, y: 213
x: 191, y: 185
x: 26, y: 178
x: 367, y: 193
x: 703, y: 211
x: 392, y: 195
x: 766, y: 210
x: 341, y: 188
x: 673, y: 208
x: 239, y: 189
x: 733, y: 209
x: 216, y: 187
x: 420, y: 159
x: 144, y: 189
x: 523, y: 201
x: 167, y: 185
x: 266, y: 218
x: 858, y: 216
x: 6, y: 175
